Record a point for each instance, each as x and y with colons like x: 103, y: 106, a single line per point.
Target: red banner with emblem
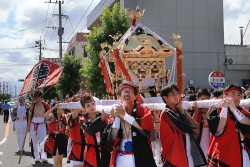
x: 43, y: 74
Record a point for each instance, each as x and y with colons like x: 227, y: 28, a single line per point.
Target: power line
x: 17, y: 48
x: 246, y: 28
x: 71, y: 23
x: 21, y: 30
x: 80, y: 20
x: 53, y: 31
x: 50, y: 21
x: 47, y: 12
x: 15, y: 64
x: 14, y: 52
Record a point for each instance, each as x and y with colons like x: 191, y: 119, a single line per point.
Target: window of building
x: 85, y: 54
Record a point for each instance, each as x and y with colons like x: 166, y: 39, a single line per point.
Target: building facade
x: 200, y: 25
x: 77, y: 46
x: 237, y: 62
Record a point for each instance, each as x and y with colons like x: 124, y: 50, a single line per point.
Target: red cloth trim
x: 231, y: 89
x: 127, y: 86
x: 125, y: 153
x: 36, y: 126
x: 179, y: 61
x: 106, y: 76
x: 114, y: 152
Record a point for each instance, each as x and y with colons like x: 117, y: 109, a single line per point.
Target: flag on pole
x: 43, y: 74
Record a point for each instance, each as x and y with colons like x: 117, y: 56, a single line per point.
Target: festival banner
x: 43, y: 74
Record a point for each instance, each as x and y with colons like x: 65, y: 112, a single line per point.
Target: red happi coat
x: 141, y: 146
x: 92, y: 150
x: 173, y: 128
x: 54, y: 128
x: 57, y: 126
x: 173, y: 146
x: 77, y: 138
x: 225, y: 149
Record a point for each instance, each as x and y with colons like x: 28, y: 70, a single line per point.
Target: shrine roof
x: 139, y: 37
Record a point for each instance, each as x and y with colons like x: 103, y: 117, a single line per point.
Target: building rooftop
x: 79, y: 37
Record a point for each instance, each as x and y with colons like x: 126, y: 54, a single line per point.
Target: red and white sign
x: 216, y: 79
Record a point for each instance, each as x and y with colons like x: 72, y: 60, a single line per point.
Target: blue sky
x: 24, y: 21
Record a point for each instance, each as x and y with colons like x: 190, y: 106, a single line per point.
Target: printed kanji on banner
x: 43, y: 74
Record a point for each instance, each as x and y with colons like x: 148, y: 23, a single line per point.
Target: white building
x: 237, y: 61
x: 77, y: 46
x: 200, y: 25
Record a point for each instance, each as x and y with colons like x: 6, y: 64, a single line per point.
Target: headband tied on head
x: 127, y: 86
x: 231, y: 89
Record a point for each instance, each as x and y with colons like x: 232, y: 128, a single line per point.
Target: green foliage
x: 4, y: 96
x: 69, y: 82
x: 50, y: 93
x: 112, y: 21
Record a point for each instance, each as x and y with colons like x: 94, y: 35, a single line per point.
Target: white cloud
x: 236, y: 14
x: 22, y: 23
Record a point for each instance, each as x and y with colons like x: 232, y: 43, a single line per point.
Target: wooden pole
x: 26, y: 131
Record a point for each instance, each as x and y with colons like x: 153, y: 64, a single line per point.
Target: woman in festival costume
x: 229, y: 125
x: 200, y: 116
x: 130, y: 131
x: 57, y: 139
x: 96, y: 153
x: 74, y: 121
x: 178, y: 131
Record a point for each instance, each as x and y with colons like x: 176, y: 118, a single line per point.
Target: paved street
x: 8, y: 147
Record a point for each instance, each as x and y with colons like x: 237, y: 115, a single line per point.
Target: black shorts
x: 61, y: 142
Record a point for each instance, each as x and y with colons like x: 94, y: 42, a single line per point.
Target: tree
x: 113, y: 21
x: 4, y: 96
x: 50, y: 93
x: 70, y: 81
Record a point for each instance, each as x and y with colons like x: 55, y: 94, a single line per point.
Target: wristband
x: 129, y: 118
x: 223, y: 113
x: 239, y: 116
x: 117, y: 123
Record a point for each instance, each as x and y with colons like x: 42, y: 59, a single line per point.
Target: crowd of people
x: 133, y: 135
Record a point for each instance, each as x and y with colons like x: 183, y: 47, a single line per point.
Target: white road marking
x: 1, y: 153
x: 3, y: 141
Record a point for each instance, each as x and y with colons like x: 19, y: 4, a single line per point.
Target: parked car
x: 12, y: 104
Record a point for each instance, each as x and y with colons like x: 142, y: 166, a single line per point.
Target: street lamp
x: 241, y: 35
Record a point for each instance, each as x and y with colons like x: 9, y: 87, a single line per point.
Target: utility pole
x: 39, y: 45
x: 241, y: 35
x: 60, y: 32
x: 10, y: 88
x: 7, y: 88
x: 3, y: 87
x: 15, y: 91
x: 60, y: 28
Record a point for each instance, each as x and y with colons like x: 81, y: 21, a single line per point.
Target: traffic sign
x: 216, y: 79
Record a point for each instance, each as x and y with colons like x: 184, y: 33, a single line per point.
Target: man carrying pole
x: 37, y: 127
